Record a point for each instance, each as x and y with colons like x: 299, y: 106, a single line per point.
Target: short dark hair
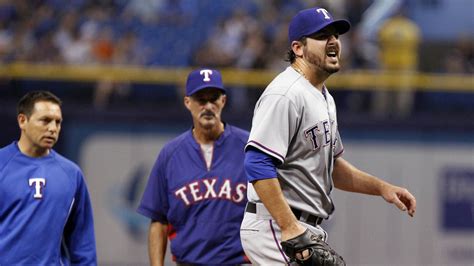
x: 27, y: 102
x: 290, y: 55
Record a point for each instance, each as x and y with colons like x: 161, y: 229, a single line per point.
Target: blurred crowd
x: 126, y: 32
x: 72, y: 32
x: 247, y: 34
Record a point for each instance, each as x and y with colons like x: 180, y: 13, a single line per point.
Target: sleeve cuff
x: 152, y: 215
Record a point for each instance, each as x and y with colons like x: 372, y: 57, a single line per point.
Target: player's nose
x: 208, y: 105
x: 53, y: 127
x: 332, y: 38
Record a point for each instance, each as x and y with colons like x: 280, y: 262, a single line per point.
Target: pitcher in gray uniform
x: 294, y: 153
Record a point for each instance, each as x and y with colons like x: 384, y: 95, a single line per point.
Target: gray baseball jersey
x: 295, y: 123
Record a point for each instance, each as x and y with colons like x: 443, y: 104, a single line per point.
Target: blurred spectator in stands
x: 226, y: 38
x: 79, y: 50
x: 285, y: 6
x: 28, y: 34
x: 273, y: 19
x: 235, y: 29
x: 458, y: 60
x: 399, y: 39
x: 103, y: 45
x: 356, y: 57
x: 23, y: 9
x: 63, y: 38
x: 252, y: 54
x: 372, y: 20
x: 8, y: 11
x: 269, y: 19
x: 23, y: 42
x: 45, y: 20
x: 49, y: 53
x: 6, y: 40
x: 461, y: 58
x: 277, y: 49
x: 92, y: 20
x: 337, y: 7
x: 129, y: 51
x: 146, y: 10
x: 83, y: 44
x: 177, y: 12
x: 210, y: 53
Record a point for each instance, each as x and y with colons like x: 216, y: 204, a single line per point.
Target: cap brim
x: 342, y: 26
x: 207, y: 87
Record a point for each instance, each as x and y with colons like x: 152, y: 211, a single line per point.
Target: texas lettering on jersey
x: 38, y: 184
x: 320, y: 134
x: 208, y: 188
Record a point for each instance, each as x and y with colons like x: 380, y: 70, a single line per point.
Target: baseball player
x: 45, y: 211
x: 294, y: 154
x: 196, y: 192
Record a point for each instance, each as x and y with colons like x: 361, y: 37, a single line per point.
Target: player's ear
x: 187, y: 102
x: 223, y: 99
x: 22, y: 119
x: 297, y: 47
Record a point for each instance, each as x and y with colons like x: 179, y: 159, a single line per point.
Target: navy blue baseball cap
x: 312, y: 20
x: 202, y: 79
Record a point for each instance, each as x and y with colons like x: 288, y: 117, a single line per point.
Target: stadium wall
x: 437, y: 168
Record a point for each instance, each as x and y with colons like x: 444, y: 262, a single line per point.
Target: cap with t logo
x: 202, y: 79
x: 312, y: 20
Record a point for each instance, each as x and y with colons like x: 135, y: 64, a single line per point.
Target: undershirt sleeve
x: 259, y: 165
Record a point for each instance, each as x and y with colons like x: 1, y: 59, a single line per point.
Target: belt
x: 312, y: 220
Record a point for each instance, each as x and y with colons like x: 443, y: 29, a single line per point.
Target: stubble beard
x: 211, y: 128
x: 207, y: 125
x: 320, y: 64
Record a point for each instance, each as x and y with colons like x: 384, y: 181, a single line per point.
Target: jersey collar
x: 45, y: 157
x: 218, y: 142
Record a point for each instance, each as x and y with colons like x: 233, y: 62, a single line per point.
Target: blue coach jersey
x: 45, y: 211
x: 202, y: 208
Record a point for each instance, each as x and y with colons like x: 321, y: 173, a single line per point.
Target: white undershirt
x: 207, y: 152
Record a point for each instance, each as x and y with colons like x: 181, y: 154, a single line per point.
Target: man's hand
x: 399, y: 196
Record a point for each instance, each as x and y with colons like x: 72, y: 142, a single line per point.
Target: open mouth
x: 331, y: 53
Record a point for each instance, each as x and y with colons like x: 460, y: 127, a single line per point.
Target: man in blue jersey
x: 196, y: 192
x: 45, y: 211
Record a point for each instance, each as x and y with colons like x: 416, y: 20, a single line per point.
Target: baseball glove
x: 320, y: 253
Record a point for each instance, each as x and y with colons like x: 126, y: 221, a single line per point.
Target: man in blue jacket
x: 45, y: 210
